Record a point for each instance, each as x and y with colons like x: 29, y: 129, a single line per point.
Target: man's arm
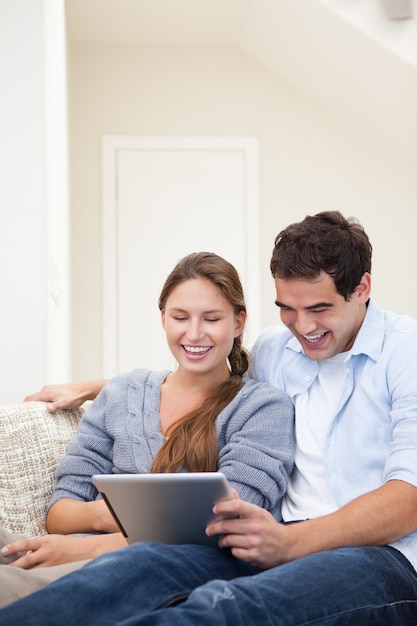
x: 67, y: 395
x: 374, y: 519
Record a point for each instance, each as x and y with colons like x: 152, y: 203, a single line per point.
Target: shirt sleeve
x: 401, y: 379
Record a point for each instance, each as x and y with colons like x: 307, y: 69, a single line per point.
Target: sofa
x: 31, y: 444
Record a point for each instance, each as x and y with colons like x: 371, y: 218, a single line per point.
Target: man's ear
x: 363, y: 290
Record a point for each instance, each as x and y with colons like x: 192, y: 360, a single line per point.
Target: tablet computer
x: 168, y: 508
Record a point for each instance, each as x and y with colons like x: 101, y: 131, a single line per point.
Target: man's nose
x: 305, y: 323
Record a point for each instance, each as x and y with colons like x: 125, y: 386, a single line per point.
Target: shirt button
x: 307, y: 379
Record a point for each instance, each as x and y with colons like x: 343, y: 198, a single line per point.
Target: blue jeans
x: 135, y: 585
x: 134, y: 580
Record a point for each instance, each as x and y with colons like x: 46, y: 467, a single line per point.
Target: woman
x: 203, y: 416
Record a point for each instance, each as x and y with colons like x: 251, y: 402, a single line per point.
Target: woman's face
x: 200, y: 326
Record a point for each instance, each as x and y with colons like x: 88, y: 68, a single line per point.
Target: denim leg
x: 344, y: 587
x: 132, y: 581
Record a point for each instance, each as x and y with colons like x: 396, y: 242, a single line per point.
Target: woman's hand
x: 57, y: 549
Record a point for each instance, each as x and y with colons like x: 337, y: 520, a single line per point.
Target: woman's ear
x: 240, y: 323
x: 163, y: 318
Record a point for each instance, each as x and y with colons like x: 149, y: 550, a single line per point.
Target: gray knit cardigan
x: 120, y: 433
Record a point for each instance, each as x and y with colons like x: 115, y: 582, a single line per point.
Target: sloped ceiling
x: 306, y: 43
x: 157, y: 21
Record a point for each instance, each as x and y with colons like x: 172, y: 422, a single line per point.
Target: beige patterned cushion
x: 31, y: 443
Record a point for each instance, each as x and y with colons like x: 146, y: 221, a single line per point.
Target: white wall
x: 309, y: 162
x: 32, y: 334
x: 22, y: 200
x: 58, y: 338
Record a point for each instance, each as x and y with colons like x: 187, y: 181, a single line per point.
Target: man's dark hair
x: 325, y: 242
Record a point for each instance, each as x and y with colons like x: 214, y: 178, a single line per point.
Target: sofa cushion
x: 31, y: 443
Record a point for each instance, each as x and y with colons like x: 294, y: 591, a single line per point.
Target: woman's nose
x: 194, y: 330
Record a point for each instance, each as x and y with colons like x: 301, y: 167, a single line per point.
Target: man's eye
x: 319, y: 310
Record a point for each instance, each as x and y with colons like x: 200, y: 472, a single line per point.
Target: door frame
x: 112, y: 145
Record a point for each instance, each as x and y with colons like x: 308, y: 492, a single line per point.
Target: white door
x: 164, y: 197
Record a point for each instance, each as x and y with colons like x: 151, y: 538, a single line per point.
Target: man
x: 347, y: 550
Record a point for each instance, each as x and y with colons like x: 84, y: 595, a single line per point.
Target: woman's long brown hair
x: 192, y: 441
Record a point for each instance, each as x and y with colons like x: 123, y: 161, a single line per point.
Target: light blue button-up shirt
x: 372, y: 437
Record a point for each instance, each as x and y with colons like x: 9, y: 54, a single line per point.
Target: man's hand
x: 56, y: 549
x: 67, y: 395
x: 253, y: 535
x: 377, y: 518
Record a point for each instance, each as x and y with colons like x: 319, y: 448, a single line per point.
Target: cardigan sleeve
x: 88, y: 453
x: 257, y: 443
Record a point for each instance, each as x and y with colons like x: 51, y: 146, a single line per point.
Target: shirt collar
x: 370, y: 338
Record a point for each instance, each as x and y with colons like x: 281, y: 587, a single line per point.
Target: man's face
x: 324, y: 323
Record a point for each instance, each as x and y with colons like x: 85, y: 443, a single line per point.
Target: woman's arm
x: 73, y: 506
x: 57, y: 549
x: 73, y: 516
x: 67, y: 395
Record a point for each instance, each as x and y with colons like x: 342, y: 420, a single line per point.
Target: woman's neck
x: 205, y: 383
